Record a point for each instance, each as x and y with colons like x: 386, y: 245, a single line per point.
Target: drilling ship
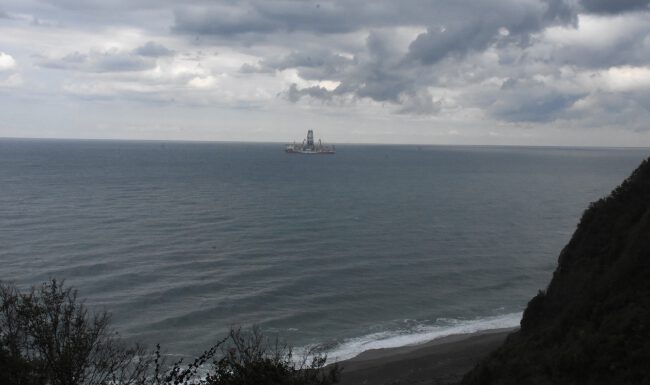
x: 309, y: 147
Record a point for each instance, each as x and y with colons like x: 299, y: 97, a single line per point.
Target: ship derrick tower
x: 309, y: 147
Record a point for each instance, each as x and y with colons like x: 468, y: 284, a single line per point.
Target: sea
x: 376, y: 246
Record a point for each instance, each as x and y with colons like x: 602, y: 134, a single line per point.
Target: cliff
x: 592, y: 324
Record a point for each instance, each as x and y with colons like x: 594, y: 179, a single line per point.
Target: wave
x: 418, y: 335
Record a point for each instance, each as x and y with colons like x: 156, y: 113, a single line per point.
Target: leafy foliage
x: 48, y: 337
x: 592, y: 324
x: 251, y: 358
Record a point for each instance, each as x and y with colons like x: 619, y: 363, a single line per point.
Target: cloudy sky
x: 534, y: 72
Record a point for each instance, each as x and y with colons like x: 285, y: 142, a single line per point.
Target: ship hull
x: 292, y: 151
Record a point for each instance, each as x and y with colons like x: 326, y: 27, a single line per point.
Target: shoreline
x: 353, y: 347
x: 443, y: 360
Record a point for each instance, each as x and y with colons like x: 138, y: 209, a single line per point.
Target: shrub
x: 250, y: 358
x: 247, y: 357
x: 48, y: 337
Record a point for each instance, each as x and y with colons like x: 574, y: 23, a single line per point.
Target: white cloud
x: 202, y: 82
x: 11, y: 81
x: 593, y: 31
x: 7, y: 62
x: 627, y: 78
x: 9, y: 77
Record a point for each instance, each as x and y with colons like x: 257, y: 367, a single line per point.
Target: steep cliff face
x: 592, y: 324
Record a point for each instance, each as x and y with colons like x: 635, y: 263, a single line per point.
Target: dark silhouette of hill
x: 592, y: 324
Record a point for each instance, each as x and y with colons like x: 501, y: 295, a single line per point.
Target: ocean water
x: 376, y: 246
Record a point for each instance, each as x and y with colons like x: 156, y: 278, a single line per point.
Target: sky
x: 480, y: 72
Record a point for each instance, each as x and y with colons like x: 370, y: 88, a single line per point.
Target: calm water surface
x: 374, y: 246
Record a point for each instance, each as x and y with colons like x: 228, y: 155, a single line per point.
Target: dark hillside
x: 592, y: 324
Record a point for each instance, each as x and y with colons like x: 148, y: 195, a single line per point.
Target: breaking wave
x: 418, y: 335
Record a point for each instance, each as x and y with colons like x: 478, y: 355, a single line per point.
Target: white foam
x: 393, y: 339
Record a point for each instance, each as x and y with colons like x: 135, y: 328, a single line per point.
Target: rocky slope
x: 592, y: 324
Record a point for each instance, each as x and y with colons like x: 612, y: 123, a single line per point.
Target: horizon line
x: 333, y: 143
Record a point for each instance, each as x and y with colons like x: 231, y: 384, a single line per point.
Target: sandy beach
x: 441, y: 361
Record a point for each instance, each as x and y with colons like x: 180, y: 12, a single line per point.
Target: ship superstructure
x: 309, y: 147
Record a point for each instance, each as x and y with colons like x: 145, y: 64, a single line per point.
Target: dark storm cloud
x: 440, y: 42
x: 456, y: 35
x: 421, y: 103
x: 153, y: 49
x: 610, y: 109
x: 530, y: 101
x: 264, y: 17
x: 615, y: 6
x: 505, y: 22
x: 221, y: 20
x: 122, y: 63
x: 559, y: 11
x: 102, y: 5
x: 227, y: 18
x: 312, y: 64
x: 70, y: 61
x: 294, y: 94
x: 537, y: 108
x: 378, y: 72
x: 385, y: 71
x: 404, y: 55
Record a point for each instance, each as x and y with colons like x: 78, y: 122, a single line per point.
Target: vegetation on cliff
x: 49, y: 337
x: 592, y: 324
